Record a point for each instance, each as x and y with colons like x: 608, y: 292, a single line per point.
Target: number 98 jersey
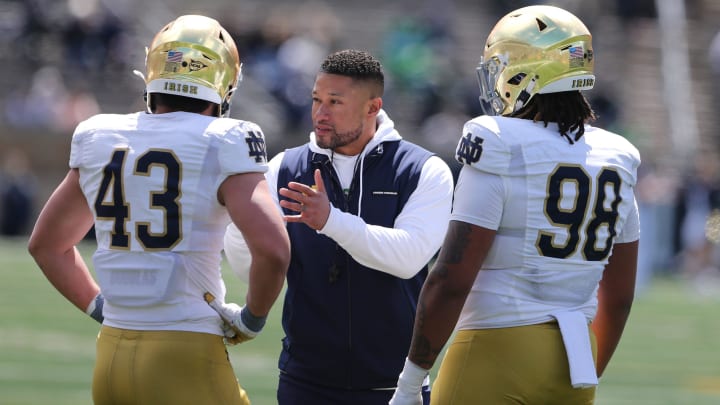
x: 151, y: 181
x: 558, y: 208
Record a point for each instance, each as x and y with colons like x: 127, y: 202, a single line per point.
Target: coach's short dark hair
x: 358, y: 65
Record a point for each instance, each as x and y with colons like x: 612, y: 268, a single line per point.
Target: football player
x: 537, y: 270
x: 160, y: 188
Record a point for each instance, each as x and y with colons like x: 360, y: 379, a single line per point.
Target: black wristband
x: 97, y: 313
x: 254, y: 323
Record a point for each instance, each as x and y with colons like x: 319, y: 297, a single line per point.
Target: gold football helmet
x: 535, y: 49
x: 193, y: 56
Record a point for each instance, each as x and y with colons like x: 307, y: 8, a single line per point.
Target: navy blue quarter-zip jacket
x: 346, y: 325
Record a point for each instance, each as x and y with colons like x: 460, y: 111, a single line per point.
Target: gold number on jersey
x: 574, y: 217
x: 114, y: 207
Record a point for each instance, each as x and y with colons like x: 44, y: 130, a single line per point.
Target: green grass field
x: 670, y: 354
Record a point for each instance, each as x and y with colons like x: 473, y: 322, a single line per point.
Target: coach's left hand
x: 311, y: 202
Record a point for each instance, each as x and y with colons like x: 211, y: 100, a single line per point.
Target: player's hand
x: 409, y: 388
x: 406, y: 398
x: 234, y: 327
x: 231, y: 337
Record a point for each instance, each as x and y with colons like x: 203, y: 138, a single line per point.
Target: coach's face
x: 343, y: 113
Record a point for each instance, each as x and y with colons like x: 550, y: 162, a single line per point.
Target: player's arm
x: 615, y: 298
x: 446, y: 288
x: 63, y: 222
x: 236, y: 249
x: 441, y: 301
x: 468, y: 240
x: 252, y: 209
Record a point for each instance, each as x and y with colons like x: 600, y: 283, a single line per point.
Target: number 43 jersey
x: 558, y: 207
x: 151, y: 181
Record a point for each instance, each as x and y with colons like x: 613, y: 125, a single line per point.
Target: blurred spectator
x: 282, y: 52
x: 315, y: 30
x: 630, y: 10
x: 656, y: 204
x: 698, y: 196
x: 17, y: 193
x: 714, y: 60
x: 714, y: 54
x: 48, y: 103
x: 606, y: 110
x: 440, y: 131
x: 418, y: 53
x: 91, y: 38
x: 37, y: 106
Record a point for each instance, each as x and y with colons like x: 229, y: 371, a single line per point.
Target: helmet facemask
x: 488, y: 73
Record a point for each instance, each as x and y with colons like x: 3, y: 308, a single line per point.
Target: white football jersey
x: 558, y: 208
x: 151, y: 181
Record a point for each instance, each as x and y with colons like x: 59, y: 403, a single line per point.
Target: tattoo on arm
x: 453, y: 252
x: 455, y: 244
x: 421, y: 350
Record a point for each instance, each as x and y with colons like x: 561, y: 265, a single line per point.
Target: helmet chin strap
x: 141, y: 75
x: 224, y: 109
x: 225, y: 106
x: 524, y: 95
x: 145, y: 94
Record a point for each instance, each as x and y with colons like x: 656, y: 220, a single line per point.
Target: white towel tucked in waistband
x: 574, y: 330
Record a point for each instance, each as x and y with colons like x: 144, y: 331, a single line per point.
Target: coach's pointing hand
x: 311, y: 202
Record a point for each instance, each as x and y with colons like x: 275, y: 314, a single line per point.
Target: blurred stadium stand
x: 64, y: 60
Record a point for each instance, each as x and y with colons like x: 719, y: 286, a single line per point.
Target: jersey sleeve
x: 77, y: 145
x: 76, y: 151
x: 631, y: 230
x: 471, y: 184
x: 482, y: 148
x: 243, y: 150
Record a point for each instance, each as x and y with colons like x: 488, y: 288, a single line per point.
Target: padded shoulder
x: 482, y: 146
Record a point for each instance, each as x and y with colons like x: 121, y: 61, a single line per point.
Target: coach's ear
x: 374, y: 106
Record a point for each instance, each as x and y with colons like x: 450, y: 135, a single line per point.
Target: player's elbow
x: 275, y: 257
x: 281, y: 261
x: 37, y: 248
x: 623, y: 305
x: 618, y: 305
